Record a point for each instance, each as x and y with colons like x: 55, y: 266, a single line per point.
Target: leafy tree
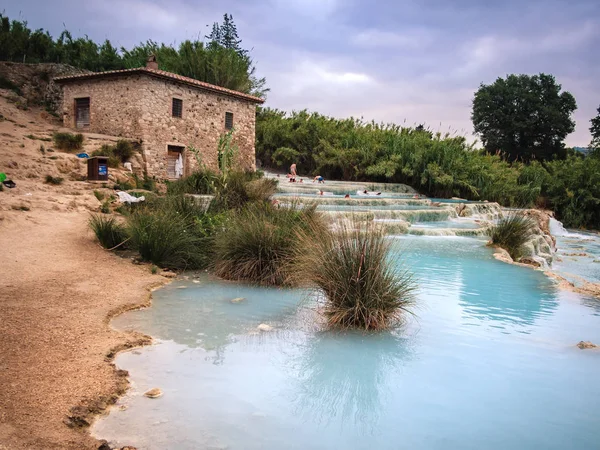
x: 595, y: 130
x: 222, y: 61
x: 523, y: 116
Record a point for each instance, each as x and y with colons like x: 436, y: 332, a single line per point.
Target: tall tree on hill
x: 226, y: 35
x: 595, y: 130
x: 525, y: 117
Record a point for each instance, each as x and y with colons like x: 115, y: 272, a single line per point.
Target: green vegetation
x: 99, y: 195
x: 219, y: 60
x: 351, y: 270
x: 105, y: 208
x: 54, y: 180
x: 258, y: 243
x: 123, y: 150
x: 512, y: 232
x: 154, y: 269
x: 20, y: 207
x: 109, y: 232
x: 5, y: 83
x: 68, y: 141
x: 573, y: 190
x: 437, y: 165
x: 167, y: 234
x: 526, y: 117
x: 595, y: 131
x: 33, y: 137
x: 119, y: 153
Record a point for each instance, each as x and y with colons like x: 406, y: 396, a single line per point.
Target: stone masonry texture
x: 139, y: 106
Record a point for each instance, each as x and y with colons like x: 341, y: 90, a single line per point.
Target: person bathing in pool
x: 319, y: 178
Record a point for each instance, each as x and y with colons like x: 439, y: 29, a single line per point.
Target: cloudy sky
x: 393, y: 61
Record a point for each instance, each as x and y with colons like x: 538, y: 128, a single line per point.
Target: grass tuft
x: 54, y: 180
x: 67, y: 141
x: 354, y: 276
x: 166, y: 233
x: 108, y: 231
x: 512, y: 232
x: 258, y: 243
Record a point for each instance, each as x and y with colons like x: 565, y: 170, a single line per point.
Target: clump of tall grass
x: 108, y: 231
x: 68, y: 141
x: 355, y: 276
x: 107, y: 150
x: 258, y: 243
x: 200, y: 182
x: 512, y: 232
x: 166, y: 233
x: 233, y: 191
x: 54, y: 180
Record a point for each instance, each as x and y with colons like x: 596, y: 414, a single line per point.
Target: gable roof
x: 163, y: 75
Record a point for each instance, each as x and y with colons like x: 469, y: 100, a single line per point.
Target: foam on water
x: 578, y: 254
x: 489, y: 362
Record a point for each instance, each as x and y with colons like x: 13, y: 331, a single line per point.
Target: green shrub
x: 123, y: 150
x: 5, y: 83
x: 124, y: 186
x: 257, y: 243
x: 54, y: 180
x: 167, y: 237
x: 512, y: 232
x: 105, y: 208
x: 67, y: 141
x: 108, y: 151
x: 108, y: 231
x: 146, y: 183
x: 200, y: 182
x: 241, y: 188
x: 99, y: 195
x: 353, y: 274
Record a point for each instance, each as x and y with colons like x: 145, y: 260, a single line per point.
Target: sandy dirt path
x: 57, y: 287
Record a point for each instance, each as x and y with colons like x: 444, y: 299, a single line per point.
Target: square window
x: 177, y: 107
x: 228, y: 120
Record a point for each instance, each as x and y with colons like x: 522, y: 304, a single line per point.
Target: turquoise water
x: 489, y: 362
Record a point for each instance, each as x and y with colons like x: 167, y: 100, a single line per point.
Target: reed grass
x: 355, y: 276
x: 68, y: 141
x: 512, y: 232
x: 108, y: 230
x: 258, y: 243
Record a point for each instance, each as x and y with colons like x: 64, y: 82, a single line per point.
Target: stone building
x: 168, y: 113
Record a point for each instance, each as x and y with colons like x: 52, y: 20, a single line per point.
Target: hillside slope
x: 57, y: 290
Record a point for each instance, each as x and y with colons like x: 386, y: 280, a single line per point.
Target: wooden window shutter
x: 82, y: 112
x: 228, y: 120
x: 177, y: 107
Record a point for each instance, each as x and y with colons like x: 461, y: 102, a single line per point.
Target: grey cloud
x: 419, y: 60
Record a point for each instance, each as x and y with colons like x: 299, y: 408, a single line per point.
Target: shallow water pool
x: 489, y: 362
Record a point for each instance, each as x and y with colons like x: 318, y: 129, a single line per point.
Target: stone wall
x: 140, y: 107
x: 201, y: 125
x: 115, y: 105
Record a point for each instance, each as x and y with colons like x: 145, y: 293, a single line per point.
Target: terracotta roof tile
x: 165, y: 75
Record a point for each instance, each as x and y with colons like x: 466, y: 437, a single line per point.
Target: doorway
x: 175, y: 161
x: 82, y: 112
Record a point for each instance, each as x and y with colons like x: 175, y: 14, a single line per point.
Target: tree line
x: 522, y: 122
x: 217, y: 59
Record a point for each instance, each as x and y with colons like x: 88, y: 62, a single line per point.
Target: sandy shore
x: 57, y: 290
